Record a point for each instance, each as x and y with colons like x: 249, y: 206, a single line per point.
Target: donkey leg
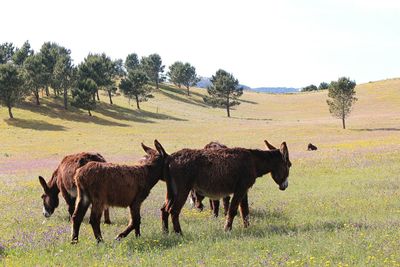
x: 198, y: 204
x: 95, y: 217
x: 107, y: 216
x: 237, y: 197
x: 226, y: 204
x: 82, y: 206
x: 164, y: 217
x: 244, y: 210
x: 215, y: 207
x: 176, y: 210
x: 134, y: 223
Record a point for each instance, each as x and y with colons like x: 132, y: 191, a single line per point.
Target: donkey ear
x: 160, y: 149
x: 284, y: 150
x: 147, y: 149
x: 269, y: 146
x: 43, y: 184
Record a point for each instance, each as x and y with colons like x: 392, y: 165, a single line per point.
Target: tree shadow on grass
x: 250, y: 119
x: 248, y: 101
x: 174, y: 93
x: 122, y: 113
x: 55, y: 109
x: 38, y: 125
x: 377, y: 129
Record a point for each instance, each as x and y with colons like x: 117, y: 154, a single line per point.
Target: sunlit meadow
x: 342, y: 206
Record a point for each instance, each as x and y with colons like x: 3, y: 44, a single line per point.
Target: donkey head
x: 280, y: 172
x: 154, y: 157
x: 50, y: 198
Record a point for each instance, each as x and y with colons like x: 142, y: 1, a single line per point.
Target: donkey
x: 62, y: 180
x: 196, y: 199
x: 218, y: 173
x: 105, y: 184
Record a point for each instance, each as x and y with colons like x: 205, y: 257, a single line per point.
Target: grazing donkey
x: 311, y: 147
x: 218, y: 173
x: 105, y: 184
x: 196, y: 199
x: 63, y: 180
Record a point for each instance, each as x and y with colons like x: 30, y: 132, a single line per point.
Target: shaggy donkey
x: 63, y: 180
x: 106, y: 184
x: 196, y: 199
x: 218, y: 173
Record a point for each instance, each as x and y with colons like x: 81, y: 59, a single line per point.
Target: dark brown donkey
x: 218, y: 173
x: 196, y: 199
x: 106, y: 184
x: 63, y: 180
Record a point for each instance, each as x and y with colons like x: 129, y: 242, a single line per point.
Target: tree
x: 99, y: 68
x: 7, y: 51
x: 49, y: 52
x: 189, y: 76
x: 22, y: 53
x: 135, y: 86
x: 63, y: 75
x: 323, y: 86
x: 224, y: 91
x: 34, y: 74
x: 131, y: 62
x: 309, y: 88
x: 153, y: 67
x: 342, y: 97
x: 82, y: 96
x: 11, y: 89
x: 175, y: 73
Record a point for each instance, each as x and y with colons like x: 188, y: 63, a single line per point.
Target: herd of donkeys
x: 215, y: 171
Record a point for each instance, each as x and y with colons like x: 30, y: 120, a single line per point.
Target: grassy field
x: 342, y: 207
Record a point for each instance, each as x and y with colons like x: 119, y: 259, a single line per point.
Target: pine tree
x: 224, y: 91
x: 342, y: 97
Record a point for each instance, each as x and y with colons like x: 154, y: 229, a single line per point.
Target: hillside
x: 342, y: 206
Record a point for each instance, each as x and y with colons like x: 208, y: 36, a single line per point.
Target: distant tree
x: 131, y: 62
x: 49, y: 52
x: 153, y: 67
x: 34, y: 74
x: 224, y: 91
x: 11, y: 89
x: 119, y: 70
x: 342, y: 97
x: 309, y: 88
x: 135, y: 86
x: 22, y: 53
x: 7, y: 51
x: 62, y: 77
x: 189, y: 76
x: 99, y: 68
x: 176, y: 72
x: 323, y: 86
x: 82, y: 95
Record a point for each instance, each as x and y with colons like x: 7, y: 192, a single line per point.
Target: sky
x: 265, y: 43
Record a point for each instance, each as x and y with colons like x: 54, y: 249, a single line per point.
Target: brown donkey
x: 196, y: 199
x: 106, y: 184
x: 218, y: 173
x: 63, y: 180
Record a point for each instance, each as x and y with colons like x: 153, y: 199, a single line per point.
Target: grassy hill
x: 342, y: 205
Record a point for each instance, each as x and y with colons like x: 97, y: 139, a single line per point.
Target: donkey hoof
x: 118, y: 237
x: 74, y: 241
x: 228, y: 228
x: 99, y: 240
x: 107, y: 222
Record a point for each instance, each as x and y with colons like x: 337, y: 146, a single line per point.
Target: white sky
x: 262, y: 43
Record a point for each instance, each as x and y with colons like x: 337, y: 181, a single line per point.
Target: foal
x: 106, y: 184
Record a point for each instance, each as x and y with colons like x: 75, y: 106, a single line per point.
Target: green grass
x: 342, y: 206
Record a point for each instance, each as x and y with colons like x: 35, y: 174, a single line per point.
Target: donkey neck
x: 265, y: 161
x: 52, y: 183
